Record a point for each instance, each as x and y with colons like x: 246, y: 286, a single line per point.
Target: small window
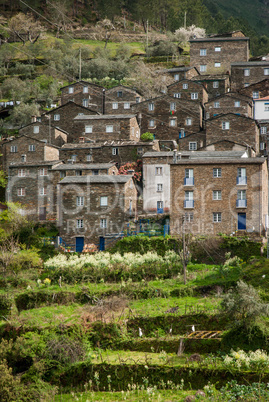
x: 158, y: 171
x: 159, y: 187
x: 42, y: 191
x: 21, y: 192
x: 62, y: 174
x: 216, y: 105
x: 85, y: 90
x: 255, y: 95
x: 217, y: 64
x: 189, y: 217
x: 43, y: 172
x: 13, y: 148
x: 177, y: 95
x: 140, y: 151
x: 266, y: 71
x: 194, y: 95
x: 172, y: 106
x: 119, y: 94
x: 151, y: 106
x: 115, y: 151
x: 151, y: 123
x: 237, y: 104
x: 109, y: 129
x: 78, y: 172
x: 31, y: 148
x: 266, y: 107
x: 217, y: 195
x: 103, y: 223
x: 95, y: 172
x: 263, y: 130
x: 36, y: 129
x: 80, y: 201
x: 185, y: 86
x: 225, y: 125
x: 137, y: 99
x: 202, y: 68
x: 74, y: 158
x: 21, y: 173
x: 103, y: 201
x: 188, y: 121
x: 88, y: 129
x: 202, y: 52
x: 70, y: 90
x: 246, y: 72
x: 176, y: 77
x: 115, y: 105
x: 216, y: 217
x: 79, y: 223
x: 23, y: 158
x: 159, y: 204
x: 89, y: 158
x: 85, y: 102
x: 217, y: 49
x: 216, y: 172
x: 241, y: 194
x: 172, y: 123
x: 215, y: 84
x: 242, y: 172
x: 56, y: 117
x: 126, y: 105
x: 192, y: 146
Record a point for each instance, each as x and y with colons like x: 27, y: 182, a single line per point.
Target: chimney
x: 81, y: 140
x: 33, y: 119
x: 175, y: 156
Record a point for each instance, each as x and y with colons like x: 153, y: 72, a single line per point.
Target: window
x: 188, y: 201
x: 188, y: 121
x: 172, y: 122
x: 188, y: 179
x: 255, y: 95
x: 181, y: 134
x: 185, y: 86
x: 73, y: 158
x: 23, y: 158
x: 160, y: 205
x: 62, y: 174
x: 115, y: 105
x: 70, y: 90
x: 266, y: 107
x: 263, y: 130
x: 126, y: 105
x: 192, y: 146
x: 237, y: 104
x: 115, y: 151
x: 194, y: 95
x: 172, y: 106
x: 216, y: 172
x: 202, y: 52
x: 177, y: 95
x: 79, y: 223
x: 137, y: 99
x: 80, y: 201
x: 158, y: 171
x: 103, y: 223
x: 78, y: 172
x: 151, y: 106
x: 215, y: 84
x: 266, y: 71
x: 241, y: 201
x: 88, y: 129
x: 217, y: 49
x: 31, y: 148
x: 216, y: 217
x: 216, y: 194
x: 89, y: 158
x: 217, y: 64
x: 21, y: 173
x: 13, y: 148
x: 241, y: 172
x: 189, y: 217
x: 216, y: 105
x: 85, y: 102
x: 95, y: 172
x: 21, y: 192
x: 103, y: 201
x: 36, y: 129
x: 56, y: 117
x: 85, y: 90
x: 119, y: 94
x: 225, y: 125
x: 202, y: 68
x: 176, y: 77
x: 262, y: 146
x: 151, y: 123
x: 140, y: 151
x: 42, y: 191
x: 246, y: 84
x: 159, y: 187
x: 109, y: 129
x: 43, y: 172
x: 246, y: 72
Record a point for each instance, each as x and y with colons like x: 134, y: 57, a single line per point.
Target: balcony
x: 241, y: 181
x: 188, y: 203
x: 241, y: 203
x: 188, y: 181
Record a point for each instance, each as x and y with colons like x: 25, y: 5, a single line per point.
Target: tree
x: 21, y: 114
x: 25, y: 28
x: 185, y: 34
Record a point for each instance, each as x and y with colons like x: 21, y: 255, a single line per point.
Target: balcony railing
x: 188, y: 203
x: 241, y: 181
x: 241, y: 203
x: 188, y: 181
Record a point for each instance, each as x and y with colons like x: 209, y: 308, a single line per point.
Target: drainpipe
x: 104, y: 102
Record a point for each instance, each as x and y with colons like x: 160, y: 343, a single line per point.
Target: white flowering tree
x: 185, y: 34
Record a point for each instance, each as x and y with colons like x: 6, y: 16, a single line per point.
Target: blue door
x: 242, y: 218
x: 79, y: 244
x: 102, y: 243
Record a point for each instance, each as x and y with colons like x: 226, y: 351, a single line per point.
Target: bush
x: 147, y: 137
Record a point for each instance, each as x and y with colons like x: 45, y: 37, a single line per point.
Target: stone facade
x: 94, y: 206
x: 257, y: 90
x: 167, y: 117
x: 120, y: 99
x: 214, y: 55
x: 227, y: 146
x: 188, y: 90
x: 215, y: 85
x: 245, y: 74
x: 192, y: 142
x: 232, y: 127
x: 106, y: 128
x: 223, y: 196
x: 181, y: 73
x: 45, y: 132
x: 85, y: 94
x: 62, y: 170
x: 26, y: 149
x: 228, y: 104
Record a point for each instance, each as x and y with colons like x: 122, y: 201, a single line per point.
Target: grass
x: 136, y: 47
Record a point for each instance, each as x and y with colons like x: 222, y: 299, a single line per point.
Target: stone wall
x: 245, y: 74
x: 188, y: 90
x: 228, y: 104
x: 93, y: 98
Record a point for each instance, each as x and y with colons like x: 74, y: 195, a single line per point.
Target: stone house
x: 45, y: 132
x: 168, y: 118
x: 229, y: 103
x: 86, y: 94
x: 101, y: 128
x: 93, y: 207
x: 63, y: 116
x: 192, y: 142
x: 218, y: 195
x: 183, y: 72
x: 257, y: 90
x: 62, y: 170
x: 232, y: 127
x: 188, y: 90
x: 24, y: 149
x: 246, y: 73
x: 214, y: 55
x: 228, y: 146
x: 261, y: 114
x: 215, y: 85
x: 119, y: 152
x: 119, y: 99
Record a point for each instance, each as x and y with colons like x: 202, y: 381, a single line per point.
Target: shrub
x: 147, y: 136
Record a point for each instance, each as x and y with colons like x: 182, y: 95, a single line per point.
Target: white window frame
x: 89, y: 157
x: 215, y: 84
x: 266, y: 107
x: 80, y: 201
x: 255, y: 94
x: 126, y: 105
x: 192, y: 146
x: 109, y: 128
x: 237, y: 103
x: 246, y: 72
x: 31, y: 148
x: 23, y: 158
x: 13, y: 148
x: 151, y: 123
x: 216, y: 217
x: 172, y: 106
x: 115, y: 105
x: 217, y: 64
x: 217, y: 172
x: 203, y: 52
x: 203, y: 68
x: 176, y: 77
x: 103, y: 223
x: 71, y: 90
x: 151, y: 106
x: 103, y: 201
x: 263, y: 130
x: 216, y: 196
x: 159, y: 204
x: 188, y: 121
x: 115, y: 151
x: 43, y: 191
x: 216, y: 105
x: 88, y: 129
x: 217, y: 48
x: 36, y: 129
x: 43, y: 172
x: 158, y: 171
x: 177, y: 95
x: 241, y: 194
x: 266, y: 71
x: 225, y: 125
x: 159, y: 187
x: 80, y: 224
x: 56, y: 117
x: 172, y: 122
x: 74, y: 158
x: 21, y: 192
x: 194, y: 95
x: 85, y: 90
x: 21, y: 173
x: 185, y: 85
x: 85, y: 102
